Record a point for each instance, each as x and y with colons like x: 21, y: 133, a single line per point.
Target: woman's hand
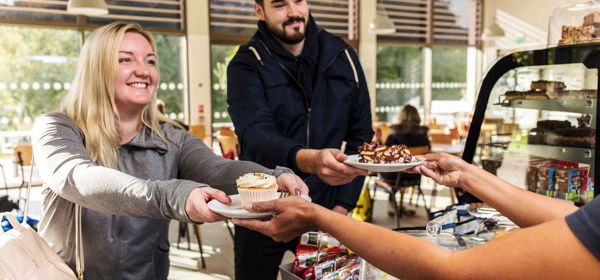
x: 292, y: 216
x: 292, y: 183
x: 445, y: 169
x: 197, y: 209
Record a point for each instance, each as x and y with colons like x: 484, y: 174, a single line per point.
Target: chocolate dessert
x: 589, y: 31
x: 376, y: 153
x: 548, y: 86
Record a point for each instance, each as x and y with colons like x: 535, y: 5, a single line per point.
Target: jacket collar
x: 146, y: 139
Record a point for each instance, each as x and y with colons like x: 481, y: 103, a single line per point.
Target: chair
x: 23, y: 153
x: 198, y: 130
x: 230, y: 148
x: 441, y: 138
x: 184, y: 230
x: 382, y: 131
x: 401, y: 184
x: 226, y: 131
x: 229, y: 144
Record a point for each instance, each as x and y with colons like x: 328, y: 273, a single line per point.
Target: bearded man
x: 296, y: 93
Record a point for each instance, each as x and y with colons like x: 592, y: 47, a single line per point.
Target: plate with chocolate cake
x: 381, y: 158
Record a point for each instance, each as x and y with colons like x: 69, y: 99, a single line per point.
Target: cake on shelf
x: 543, y: 89
x: 561, y: 133
x: 589, y: 31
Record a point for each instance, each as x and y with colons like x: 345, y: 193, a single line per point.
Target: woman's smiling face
x: 137, y: 76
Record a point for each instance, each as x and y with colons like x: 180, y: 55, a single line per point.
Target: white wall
x: 199, y: 78
x: 525, y: 24
x: 535, y: 12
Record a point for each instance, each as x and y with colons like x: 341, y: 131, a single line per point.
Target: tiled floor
x: 218, y: 245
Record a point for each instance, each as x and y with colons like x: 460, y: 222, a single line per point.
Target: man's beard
x: 297, y: 34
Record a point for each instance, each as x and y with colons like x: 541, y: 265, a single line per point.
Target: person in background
x: 129, y: 167
x: 557, y: 239
x: 407, y: 131
x: 162, y: 108
x: 295, y: 93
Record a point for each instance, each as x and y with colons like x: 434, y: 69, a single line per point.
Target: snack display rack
x: 535, y: 119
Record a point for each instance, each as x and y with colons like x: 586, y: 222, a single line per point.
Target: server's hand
x: 292, y: 216
x: 445, y: 169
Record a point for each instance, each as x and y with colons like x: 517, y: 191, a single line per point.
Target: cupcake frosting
x: 256, y: 180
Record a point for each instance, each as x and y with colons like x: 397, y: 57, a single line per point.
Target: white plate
x: 235, y: 210
x: 353, y: 160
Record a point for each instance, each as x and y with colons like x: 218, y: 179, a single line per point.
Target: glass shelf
x: 581, y: 155
x: 587, y: 106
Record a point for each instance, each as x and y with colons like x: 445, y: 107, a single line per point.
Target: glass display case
x: 535, y: 120
x: 574, y: 22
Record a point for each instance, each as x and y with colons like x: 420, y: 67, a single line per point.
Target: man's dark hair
x: 260, y: 2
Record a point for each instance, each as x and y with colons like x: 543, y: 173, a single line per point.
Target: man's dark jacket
x: 273, y: 117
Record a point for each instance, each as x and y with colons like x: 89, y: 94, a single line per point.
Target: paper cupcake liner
x: 253, y: 195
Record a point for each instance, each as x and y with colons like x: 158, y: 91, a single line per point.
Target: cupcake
x: 256, y: 187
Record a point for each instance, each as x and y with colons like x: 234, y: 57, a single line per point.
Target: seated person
x: 408, y: 131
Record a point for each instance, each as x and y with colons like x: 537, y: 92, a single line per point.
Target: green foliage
x: 398, y: 64
x: 41, y: 62
x: 170, y: 61
x: 449, y: 65
x: 221, y: 55
x: 32, y: 57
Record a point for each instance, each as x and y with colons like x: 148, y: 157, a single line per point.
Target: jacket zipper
x: 308, y: 104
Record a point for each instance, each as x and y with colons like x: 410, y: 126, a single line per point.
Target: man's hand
x: 292, y: 183
x: 329, y: 165
x: 196, y: 207
x: 340, y: 209
x: 292, y: 216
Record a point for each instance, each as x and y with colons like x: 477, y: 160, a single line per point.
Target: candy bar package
x: 546, y: 180
x: 562, y: 182
x: 574, y: 184
x: 320, y: 256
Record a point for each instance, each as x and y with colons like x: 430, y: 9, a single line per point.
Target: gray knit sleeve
x: 199, y: 163
x: 66, y: 168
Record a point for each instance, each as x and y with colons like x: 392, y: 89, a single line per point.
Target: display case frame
x: 586, y: 54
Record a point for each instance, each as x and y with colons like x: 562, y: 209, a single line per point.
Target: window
x: 449, y: 73
x: 38, y: 65
x: 399, y: 80
x: 171, y: 90
x: 221, y: 55
x: 36, y: 70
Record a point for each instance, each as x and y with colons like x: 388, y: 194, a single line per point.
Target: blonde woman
x: 131, y: 169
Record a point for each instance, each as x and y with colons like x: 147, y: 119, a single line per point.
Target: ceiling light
x: 87, y: 7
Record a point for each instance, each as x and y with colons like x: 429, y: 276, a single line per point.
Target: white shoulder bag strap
x: 79, y: 262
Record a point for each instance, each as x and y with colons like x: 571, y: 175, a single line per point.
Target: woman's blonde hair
x: 409, y: 115
x: 91, y: 100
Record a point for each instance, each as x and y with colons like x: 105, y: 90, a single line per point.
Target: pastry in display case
x: 575, y: 22
x: 549, y: 99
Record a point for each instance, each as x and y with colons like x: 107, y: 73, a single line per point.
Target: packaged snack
x: 574, y: 184
x: 590, y: 189
x: 562, y: 183
x: 584, y: 173
x: 546, y: 180
x: 320, y: 256
x: 531, y: 178
x: 310, y: 238
x: 316, y: 272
